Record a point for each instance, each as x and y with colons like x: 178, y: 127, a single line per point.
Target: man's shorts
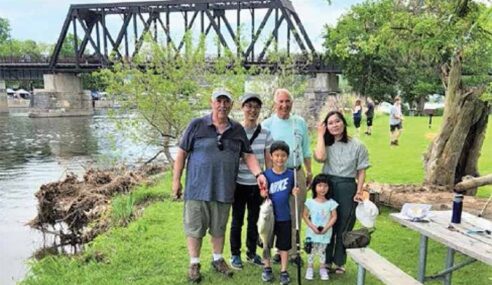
x: 198, y: 216
x: 369, y: 121
x: 283, y: 232
x: 394, y: 127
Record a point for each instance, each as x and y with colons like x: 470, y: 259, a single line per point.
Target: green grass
x: 122, y: 209
x: 152, y: 249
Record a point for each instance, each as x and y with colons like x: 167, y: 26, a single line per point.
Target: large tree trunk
x: 455, y: 151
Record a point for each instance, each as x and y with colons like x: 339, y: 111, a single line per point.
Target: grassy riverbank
x: 152, y: 249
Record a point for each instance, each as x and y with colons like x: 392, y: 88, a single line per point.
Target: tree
x: 455, y: 37
x: 166, y: 90
x: 374, y: 64
x: 463, y: 39
x: 354, y: 44
x: 67, y: 49
x: 4, y: 30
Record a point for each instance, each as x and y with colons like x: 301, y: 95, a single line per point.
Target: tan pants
x: 301, y: 199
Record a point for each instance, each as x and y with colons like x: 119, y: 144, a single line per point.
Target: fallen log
x: 441, y: 198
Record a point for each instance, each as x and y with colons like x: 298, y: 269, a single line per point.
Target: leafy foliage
x: 4, y: 30
x: 27, y: 50
x: 68, y: 49
x: 355, y: 44
x: 166, y: 89
x: 386, y: 47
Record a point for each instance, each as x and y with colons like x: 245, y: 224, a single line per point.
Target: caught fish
x: 265, y: 225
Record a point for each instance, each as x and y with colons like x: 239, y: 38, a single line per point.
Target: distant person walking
x: 211, y: 148
x: 357, y: 115
x: 369, y: 116
x: 395, y: 121
x: 247, y: 193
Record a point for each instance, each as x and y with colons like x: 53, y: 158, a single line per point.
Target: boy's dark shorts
x: 283, y: 232
x: 394, y: 127
x: 369, y: 121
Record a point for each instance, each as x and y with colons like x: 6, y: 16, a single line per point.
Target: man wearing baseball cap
x: 211, y: 147
x: 247, y: 193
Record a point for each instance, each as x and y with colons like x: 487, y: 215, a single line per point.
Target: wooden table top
x: 459, y: 237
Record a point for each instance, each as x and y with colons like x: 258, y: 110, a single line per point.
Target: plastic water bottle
x: 457, y: 208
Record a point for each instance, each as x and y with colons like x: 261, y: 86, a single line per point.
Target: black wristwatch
x: 257, y: 175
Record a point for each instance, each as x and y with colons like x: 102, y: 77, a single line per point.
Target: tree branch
x: 154, y: 157
x: 469, y: 183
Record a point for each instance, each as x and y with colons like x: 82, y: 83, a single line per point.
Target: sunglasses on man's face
x: 220, y: 144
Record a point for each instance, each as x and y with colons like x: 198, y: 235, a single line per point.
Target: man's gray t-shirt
x: 210, y: 172
x: 262, y: 142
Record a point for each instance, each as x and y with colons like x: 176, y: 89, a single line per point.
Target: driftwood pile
x: 67, y: 207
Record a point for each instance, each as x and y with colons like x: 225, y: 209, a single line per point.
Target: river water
x: 36, y: 151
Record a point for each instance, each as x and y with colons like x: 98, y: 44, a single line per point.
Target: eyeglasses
x: 220, y: 145
x: 252, y: 107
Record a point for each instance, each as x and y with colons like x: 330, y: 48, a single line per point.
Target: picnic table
x: 472, y: 237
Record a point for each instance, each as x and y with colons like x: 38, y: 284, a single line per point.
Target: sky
x: 42, y: 20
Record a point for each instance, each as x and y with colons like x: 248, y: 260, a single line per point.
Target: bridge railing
x: 24, y: 59
x: 46, y: 59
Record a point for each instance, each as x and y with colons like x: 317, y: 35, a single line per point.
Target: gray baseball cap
x: 251, y: 96
x: 221, y: 92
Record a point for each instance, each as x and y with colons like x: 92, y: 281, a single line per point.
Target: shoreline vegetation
x: 143, y: 240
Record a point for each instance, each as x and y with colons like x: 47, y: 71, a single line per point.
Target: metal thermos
x: 457, y: 208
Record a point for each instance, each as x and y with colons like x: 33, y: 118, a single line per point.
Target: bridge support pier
x: 321, y: 91
x: 62, y: 96
x: 4, y: 107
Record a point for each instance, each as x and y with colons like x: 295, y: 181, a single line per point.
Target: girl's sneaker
x: 309, y: 273
x: 267, y: 274
x: 323, y: 274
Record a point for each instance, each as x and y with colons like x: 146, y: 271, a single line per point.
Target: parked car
x: 10, y: 92
x: 22, y: 94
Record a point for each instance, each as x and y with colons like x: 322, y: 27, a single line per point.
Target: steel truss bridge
x: 263, y: 24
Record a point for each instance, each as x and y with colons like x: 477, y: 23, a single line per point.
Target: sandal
x: 340, y: 270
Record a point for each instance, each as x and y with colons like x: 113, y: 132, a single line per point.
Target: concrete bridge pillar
x: 4, y: 107
x: 62, y: 96
x: 321, y: 96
